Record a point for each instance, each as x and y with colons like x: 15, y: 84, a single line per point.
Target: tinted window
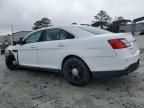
x: 32, y: 38
x: 93, y: 30
x: 65, y: 35
x: 51, y: 34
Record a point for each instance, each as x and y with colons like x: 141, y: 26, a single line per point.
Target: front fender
x: 11, y: 51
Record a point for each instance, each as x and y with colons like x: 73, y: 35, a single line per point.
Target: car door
x: 52, y: 48
x: 27, y: 53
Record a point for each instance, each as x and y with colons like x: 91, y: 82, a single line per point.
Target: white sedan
x: 79, y: 52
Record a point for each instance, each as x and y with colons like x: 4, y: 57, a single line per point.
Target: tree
x: 102, y: 19
x: 44, y: 22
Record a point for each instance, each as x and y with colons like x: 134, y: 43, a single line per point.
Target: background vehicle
x: 142, y: 33
x: 79, y: 52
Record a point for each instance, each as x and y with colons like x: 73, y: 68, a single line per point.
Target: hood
x: 11, y: 47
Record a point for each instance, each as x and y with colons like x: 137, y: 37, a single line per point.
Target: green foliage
x: 102, y: 19
x: 44, y: 22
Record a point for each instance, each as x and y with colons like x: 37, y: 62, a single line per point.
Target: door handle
x: 61, y: 45
x: 32, y: 46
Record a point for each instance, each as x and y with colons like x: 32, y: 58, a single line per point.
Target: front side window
x: 51, y: 35
x: 65, y: 35
x: 32, y: 38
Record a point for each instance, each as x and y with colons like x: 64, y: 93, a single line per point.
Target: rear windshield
x: 93, y: 30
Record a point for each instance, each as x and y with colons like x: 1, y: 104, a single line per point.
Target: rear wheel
x: 76, y: 71
x: 11, y: 62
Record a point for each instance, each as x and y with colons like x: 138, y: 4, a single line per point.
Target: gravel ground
x: 38, y: 89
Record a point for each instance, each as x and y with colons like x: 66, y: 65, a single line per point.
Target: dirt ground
x: 38, y: 89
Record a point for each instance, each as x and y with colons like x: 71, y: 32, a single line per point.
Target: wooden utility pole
x: 12, y: 34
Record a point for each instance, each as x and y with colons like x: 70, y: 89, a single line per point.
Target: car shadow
x: 123, y: 81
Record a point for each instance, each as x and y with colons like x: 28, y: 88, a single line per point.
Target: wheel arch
x: 71, y: 56
x: 11, y: 54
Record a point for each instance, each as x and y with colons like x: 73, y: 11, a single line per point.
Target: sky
x: 23, y: 13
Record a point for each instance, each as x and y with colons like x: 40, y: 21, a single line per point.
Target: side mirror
x: 14, y: 43
x: 21, y: 42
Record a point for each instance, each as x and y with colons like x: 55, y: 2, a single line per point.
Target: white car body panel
x: 27, y: 54
x: 94, y: 50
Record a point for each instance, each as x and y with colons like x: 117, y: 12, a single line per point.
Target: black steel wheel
x: 76, y: 71
x: 10, y: 62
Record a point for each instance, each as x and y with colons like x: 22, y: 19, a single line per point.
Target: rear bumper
x: 100, y: 64
x: 116, y: 73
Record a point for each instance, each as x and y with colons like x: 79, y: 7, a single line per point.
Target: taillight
x: 119, y: 43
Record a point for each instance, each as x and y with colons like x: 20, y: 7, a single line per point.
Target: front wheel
x: 11, y: 62
x: 76, y: 71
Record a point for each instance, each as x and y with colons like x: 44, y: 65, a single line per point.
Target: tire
x: 9, y: 62
x: 76, y: 71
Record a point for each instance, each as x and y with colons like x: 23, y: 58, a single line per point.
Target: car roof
x: 76, y: 30
x: 73, y: 29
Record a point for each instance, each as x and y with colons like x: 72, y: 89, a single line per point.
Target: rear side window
x: 56, y: 34
x: 65, y: 35
x: 93, y: 30
x: 51, y: 34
